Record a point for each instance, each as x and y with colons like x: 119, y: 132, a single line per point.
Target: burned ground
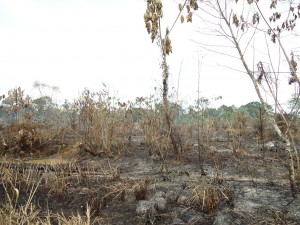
x: 138, y: 187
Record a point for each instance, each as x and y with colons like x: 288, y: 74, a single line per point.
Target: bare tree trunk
x: 291, y: 169
x: 261, y: 131
x: 174, y: 136
x: 200, y: 157
x: 296, y: 152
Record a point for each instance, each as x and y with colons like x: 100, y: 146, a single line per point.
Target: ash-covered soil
x: 139, y: 187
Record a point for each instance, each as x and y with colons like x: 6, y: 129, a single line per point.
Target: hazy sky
x: 77, y: 44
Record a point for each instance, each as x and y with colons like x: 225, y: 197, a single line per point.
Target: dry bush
x: 29, y: 137
x: 189, y: 132
x: 20, y: 137
x: 151, y: 121
x: 218, y: 129
x: 238, y: 130
x: 31, y: 133
x: 103, y: 123
x: 153, y: 126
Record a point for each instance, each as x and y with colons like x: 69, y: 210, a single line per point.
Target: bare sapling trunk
x: 173, y: 133
x: 261, y: 131
x: 200, y: 157
x: 296, y: 152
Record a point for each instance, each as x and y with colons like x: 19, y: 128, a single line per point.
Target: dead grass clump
x: 21, y: 215
x: 32, y: 216
x: 58, y: 186
x: 210, y: 195
x: 141, y: 189
x: 12, y: 212
x: 273, y: 217
x: 95, y: 205
x: 87, y: 219
x: 21, y: 182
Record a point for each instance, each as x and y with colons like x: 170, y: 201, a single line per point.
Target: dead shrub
x: 29, y: 137
x: 101, y: 118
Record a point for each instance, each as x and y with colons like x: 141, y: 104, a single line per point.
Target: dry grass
x: 141, y: 190
x: 104, y: 127
x: 210, y: 195
x: 24, y: 181
x: 31, y: 215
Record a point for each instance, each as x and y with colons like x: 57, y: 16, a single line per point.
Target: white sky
x: 77, y: 44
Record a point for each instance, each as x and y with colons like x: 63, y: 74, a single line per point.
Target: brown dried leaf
x: 182, y: 18
x: 255, y: 18
x: 148, y: 26
x: 188, y: 8
x: 158, y: 4
x: 180, y: 7
x: 154, y: 17
x: 235, y: 21
x: 189, y: 17
x: 160, y: 13
x: 194, y: 4
x: 151, y: 8
x: 154, y: 30
x: 146, y: 17
x: 168, y: 46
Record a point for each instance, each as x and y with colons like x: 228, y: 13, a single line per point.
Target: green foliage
x: 43, y: 107
x: 294, y: 103
x: 253, y: 108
